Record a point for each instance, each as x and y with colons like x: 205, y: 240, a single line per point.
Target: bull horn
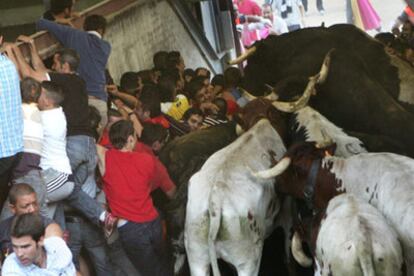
x: 239, y: 130
x: 323, y: 74
x: 243, y: 56
x: 291, y: 107
x: 297, y: 251
x: 247, y: 95
x: 273, y: 95
x: 310, y: 88
x: 278, y: 169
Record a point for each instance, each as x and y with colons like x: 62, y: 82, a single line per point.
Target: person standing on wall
x: 94, y: 53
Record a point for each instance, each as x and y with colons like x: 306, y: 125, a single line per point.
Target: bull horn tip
x: 297, y: 251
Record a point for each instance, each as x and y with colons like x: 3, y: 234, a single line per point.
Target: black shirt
x: 75, y: 104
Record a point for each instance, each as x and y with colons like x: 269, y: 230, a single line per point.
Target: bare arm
x: 134, y: 119
x: 25, y: 69
x: 37, y: 62
x: 128, y: 114
x: 101, y: 151
x: 113, y: 89
x: 119, y: 104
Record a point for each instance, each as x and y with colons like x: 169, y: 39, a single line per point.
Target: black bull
x: 360, y: 92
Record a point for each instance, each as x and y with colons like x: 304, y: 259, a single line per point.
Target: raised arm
x: 132, y: 116
x: 113, y: 89
x: 128, y: 113
x: 37, y: 62
x: 25, y: 69
x: 63, y: 33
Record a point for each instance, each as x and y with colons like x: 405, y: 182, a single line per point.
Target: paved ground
x: 388, y: 10
x: 335, y: 12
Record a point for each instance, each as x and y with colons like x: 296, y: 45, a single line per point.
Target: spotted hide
x: 354, y: 239
x: 384, y: 180
x: 229, y: 212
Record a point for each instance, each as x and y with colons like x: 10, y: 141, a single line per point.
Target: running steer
x: 230, y: 212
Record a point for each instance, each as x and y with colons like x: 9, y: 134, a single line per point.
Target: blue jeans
x: 121, y: 263
x: 81, y: 150
x: 84, y: 234
x: 145, y: 247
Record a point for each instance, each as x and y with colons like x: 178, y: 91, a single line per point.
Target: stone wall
x: 143, y: 29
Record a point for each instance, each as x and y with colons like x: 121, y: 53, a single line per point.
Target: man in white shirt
x: 37, y: 251
x: 57, y: 173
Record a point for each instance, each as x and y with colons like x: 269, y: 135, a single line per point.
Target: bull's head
x: 294, y: 171
x: 268, y: 107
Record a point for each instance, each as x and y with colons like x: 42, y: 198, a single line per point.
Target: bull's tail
x: 364, y: 249
x: 214, y: 210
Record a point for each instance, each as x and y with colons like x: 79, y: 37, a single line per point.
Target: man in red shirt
x: 128, y: 178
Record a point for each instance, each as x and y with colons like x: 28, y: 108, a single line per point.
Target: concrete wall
x: 142, y: 30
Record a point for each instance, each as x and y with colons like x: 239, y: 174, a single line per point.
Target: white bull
x: 354, y: 239
x: 319, y: 129
x: 384, y: 180
x: 229, y: 212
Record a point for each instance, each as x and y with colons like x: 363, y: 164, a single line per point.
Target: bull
x: 183, y: 157
x: 360, y: 93
x: 351, y: 237
x: 384, y: 180
x: 215, y: 190
x: 229, y: 213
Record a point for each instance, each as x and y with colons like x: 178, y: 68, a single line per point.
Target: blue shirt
x: 58, y: 261
x: 93, y: 51
x: 11, y: 117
